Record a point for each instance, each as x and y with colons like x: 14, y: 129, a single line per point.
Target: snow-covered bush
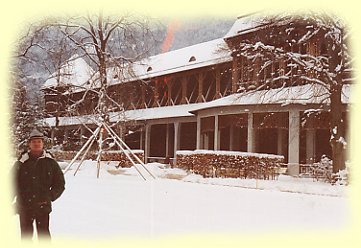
x: 323, y: 171
x: 341, y: 177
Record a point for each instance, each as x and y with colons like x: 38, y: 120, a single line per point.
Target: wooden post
x: 216, y: 133
x: 250, y: 134
x: 218, y: 84
x: 156, y: 95
x: 169, y: 99
x: 176, y: 140
x: 235, y: 73
x: 198, y: 146
x: 147, y: 142
x: 293, y: 142
x: 143, y: 104
x: 184, y: 91
x: 200, y: 97
x: 141, y: 139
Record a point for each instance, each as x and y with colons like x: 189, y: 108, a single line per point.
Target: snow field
x: 121, y: 204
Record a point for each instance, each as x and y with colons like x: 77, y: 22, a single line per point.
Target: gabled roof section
x: 204, y: 54
x: 75, y: 72
x: 245, y: 24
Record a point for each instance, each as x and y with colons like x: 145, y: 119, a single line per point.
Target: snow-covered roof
x: 156, y: 113
x: 75, y: 72
x: 244, y: 24
x: 303, y: 94
x: 138, y: 115
x: 187, y: 58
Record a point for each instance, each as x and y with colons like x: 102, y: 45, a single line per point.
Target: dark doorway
x: 158, y: 140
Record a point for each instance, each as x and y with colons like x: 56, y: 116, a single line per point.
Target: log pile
x: 230, y: 164
x: 106, y: 156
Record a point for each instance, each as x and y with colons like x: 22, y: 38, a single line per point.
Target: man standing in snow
x: 38, y: 180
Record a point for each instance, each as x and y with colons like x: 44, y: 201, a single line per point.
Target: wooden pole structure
x: 85, y: 153
x: 126, y: 153
x: 128, y: 149
x: 100, y: 151
x: 81, y: 150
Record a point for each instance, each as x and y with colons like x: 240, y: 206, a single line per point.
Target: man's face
x: 36, y: 145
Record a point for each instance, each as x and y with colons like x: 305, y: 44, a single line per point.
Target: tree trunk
x: 337, y: 123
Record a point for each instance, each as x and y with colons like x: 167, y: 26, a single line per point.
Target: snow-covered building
x: 190, y: 99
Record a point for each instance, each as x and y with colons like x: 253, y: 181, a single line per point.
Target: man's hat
x: 36, y: 134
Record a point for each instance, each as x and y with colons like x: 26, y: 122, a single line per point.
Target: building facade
x: 207, y: 96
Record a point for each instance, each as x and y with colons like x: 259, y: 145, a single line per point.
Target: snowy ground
x: 121, y: 204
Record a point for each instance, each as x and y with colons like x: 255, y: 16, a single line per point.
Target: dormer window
x: 192, y: 59
x: 149, y: 69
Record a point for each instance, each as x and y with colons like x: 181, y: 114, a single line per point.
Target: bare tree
x: 108, y: 43
x: 41, y: 51
x: 287, y: 51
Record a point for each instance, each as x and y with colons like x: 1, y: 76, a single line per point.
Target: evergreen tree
x: 23, y: 120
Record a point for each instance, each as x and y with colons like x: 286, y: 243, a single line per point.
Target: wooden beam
x: 184, y: 99
x: 169, y: 93
x: 156, y: 95
x: 142, y: 101
x: 200, y: 97
x: 236, y: 67
x: 218, y: 84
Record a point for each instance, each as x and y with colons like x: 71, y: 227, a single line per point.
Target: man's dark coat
x: 38, y: 182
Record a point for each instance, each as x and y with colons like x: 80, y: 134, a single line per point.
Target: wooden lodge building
x: 189, y: 99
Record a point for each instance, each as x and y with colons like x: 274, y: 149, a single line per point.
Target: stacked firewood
x: 63, y: 155
x: 105, y: 156
x: 232, y: 164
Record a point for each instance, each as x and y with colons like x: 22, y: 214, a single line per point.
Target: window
x: 191, y: 59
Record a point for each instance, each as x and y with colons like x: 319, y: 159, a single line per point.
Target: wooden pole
x: 129, y: 150
x: 100, y: 152
x: 81, y: 150
x: 115, y: 137
x: 85, y: 153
